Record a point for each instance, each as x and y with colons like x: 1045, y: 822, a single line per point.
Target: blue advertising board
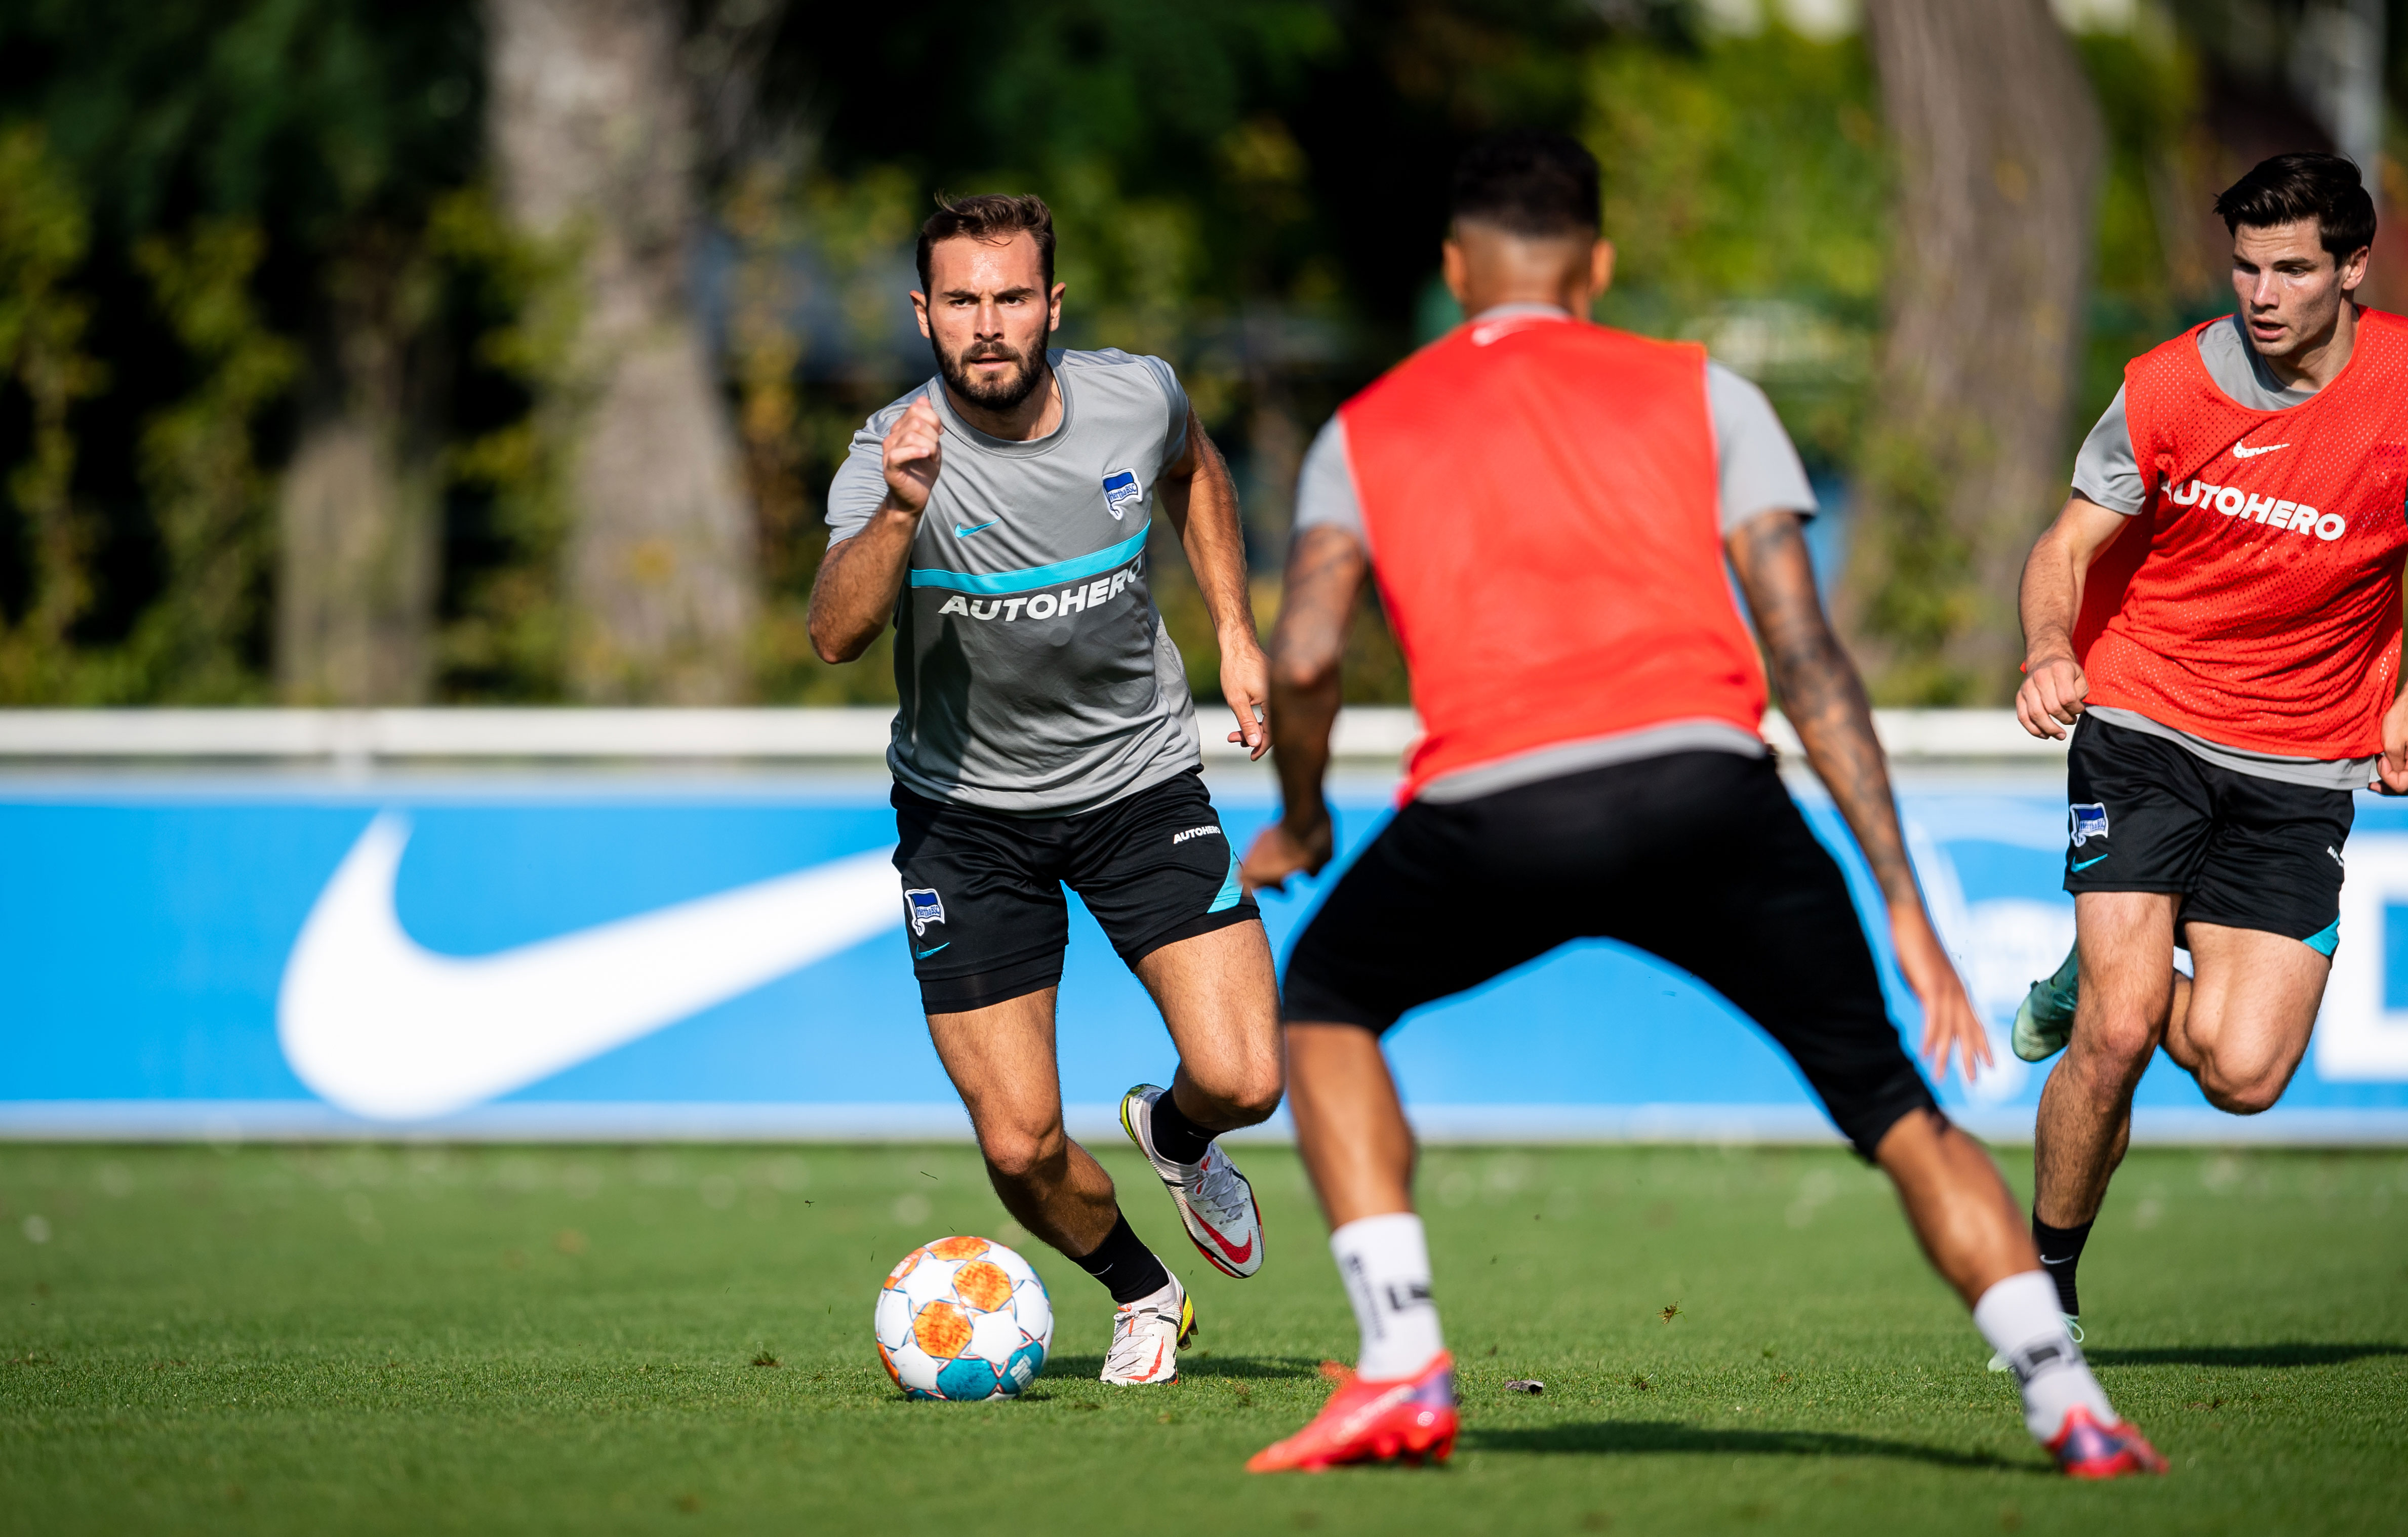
x: 578, y: 956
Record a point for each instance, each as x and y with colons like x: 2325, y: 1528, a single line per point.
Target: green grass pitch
x: 677, y: 1339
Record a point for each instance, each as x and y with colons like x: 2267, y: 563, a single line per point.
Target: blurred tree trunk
x: 593, y: 128
x: 2001, y: 153
x: 359, y: 513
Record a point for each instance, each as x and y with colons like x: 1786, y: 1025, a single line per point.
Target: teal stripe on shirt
x: 1035, y: 576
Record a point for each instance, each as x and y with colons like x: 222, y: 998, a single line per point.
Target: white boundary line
x: 229, y: 1121
x: 361, y: 737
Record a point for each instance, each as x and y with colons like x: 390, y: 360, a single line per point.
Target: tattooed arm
x: 1326, y: 567
x: 1825, y: 700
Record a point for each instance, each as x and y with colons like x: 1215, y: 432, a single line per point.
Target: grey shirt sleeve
x: 1174, y: 443
x: 1324, y: 488
x: 1756, y: 466
x: 2107, y: 471
x: 860, y: 482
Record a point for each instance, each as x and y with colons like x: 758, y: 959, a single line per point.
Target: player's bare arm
x: 2391, y: 770
x: 1824, y: 701
x: 1201, y: 502
x: 1326, y: 570
x: 2054, y: 685
x: 855, y: 595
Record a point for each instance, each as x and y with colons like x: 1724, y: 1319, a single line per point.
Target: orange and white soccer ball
x: 964, y: 1318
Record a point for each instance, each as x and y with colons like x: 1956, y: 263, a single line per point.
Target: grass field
x: 367, y: 1339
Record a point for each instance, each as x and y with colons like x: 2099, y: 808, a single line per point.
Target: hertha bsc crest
x: 1120, y: 489
x: 2088, y: 821
x: 922, y: 907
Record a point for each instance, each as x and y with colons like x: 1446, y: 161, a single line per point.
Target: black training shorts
x: 2241, y: 850
x: 982, y: 891
x: 1700, y: 858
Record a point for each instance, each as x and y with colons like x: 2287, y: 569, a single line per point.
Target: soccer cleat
x: 1148, y: 1336
x: 2044, y: 1019
x: 1214, y: 1200
x: 2072, y: 1326
x: 2083, y: 1448
x: 1411, y: 1417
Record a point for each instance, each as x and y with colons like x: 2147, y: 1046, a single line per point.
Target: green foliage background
x: 1253, y: 190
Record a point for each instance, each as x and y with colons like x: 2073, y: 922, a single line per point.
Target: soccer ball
x: 963, y: 1318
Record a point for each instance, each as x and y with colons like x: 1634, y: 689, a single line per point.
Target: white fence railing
x: 792, y: 736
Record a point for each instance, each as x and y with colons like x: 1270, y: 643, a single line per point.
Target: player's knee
x: 2240, y: 1096
x: 2125, y: 1039
x: 1016, y: 1154
x: 1256, y: 1095
x: 1241, y: 1093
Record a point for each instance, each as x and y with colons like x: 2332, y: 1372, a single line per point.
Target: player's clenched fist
x: 912, y: 455
x: 2051, y: 696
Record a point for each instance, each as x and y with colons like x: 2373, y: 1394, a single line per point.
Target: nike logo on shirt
x: 962, y: 533
x: 2088, y: 863
x: 2243, y: 450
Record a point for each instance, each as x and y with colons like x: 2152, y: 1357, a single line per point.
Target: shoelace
x: 1131, y: 1339
x: 1221, y: 1192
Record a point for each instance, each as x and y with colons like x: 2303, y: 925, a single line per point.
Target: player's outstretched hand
x: 912, y: 455
x: 1280, y: 851
x: 2051, y: 696
x: 1246, y: 683
x: 1949, y: 1024
x: 2391, y: 768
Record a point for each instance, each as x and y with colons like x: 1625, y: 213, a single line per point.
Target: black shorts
x: 982, y: 891
x: 2241, y: 850
x: 1700, y: 858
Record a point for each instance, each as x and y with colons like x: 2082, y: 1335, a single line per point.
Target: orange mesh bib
x: 2256, y: 601
x: 1542, y: 503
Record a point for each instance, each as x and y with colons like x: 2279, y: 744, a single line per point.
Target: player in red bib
x: 2215, y: 616
x: 1548, y: 506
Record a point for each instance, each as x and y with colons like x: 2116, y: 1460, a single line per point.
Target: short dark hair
x: 1529, y: 183
x: 990, y: 216
x: 2288, y: 188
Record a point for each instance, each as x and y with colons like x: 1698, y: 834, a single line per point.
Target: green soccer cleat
x: 2044, y: 1020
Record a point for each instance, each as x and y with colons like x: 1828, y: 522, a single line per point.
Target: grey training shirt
x: 1034, y: 673
x: 2108, y: 472
x: 1757, y: 470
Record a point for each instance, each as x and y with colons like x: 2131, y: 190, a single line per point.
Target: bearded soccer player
x: 998, y: 514
x: 1547, y: 505
x: 2215, y: 616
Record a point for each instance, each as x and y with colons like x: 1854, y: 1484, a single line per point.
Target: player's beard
x: 1002, y: 394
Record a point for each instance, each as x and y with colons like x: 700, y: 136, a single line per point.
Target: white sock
x: 2019, y: 1317
x: 1385, y: 1265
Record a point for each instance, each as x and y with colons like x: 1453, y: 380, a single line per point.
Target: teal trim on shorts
x: 1035, y: 576
x: 2326, y: 939
x: 1233, y: 891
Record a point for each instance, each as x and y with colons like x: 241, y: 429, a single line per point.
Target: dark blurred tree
x: 2000, y: 150
x: 258, y: 175
x: 595, y: 139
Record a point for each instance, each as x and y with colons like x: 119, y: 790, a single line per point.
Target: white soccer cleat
x: 1215, y: 1202
x: 1148, y: 1335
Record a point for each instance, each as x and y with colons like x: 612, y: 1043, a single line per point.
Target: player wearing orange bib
x: 2215, y: 613
x: 1547, y: 505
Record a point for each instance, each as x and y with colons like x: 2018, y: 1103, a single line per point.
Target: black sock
x: 2060, y: 1251
x: 1126, y: 1266
x: 1176, y: 1137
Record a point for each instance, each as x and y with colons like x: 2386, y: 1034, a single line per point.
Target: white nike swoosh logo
x: 381, y: 1026
x: 2243, y: 451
